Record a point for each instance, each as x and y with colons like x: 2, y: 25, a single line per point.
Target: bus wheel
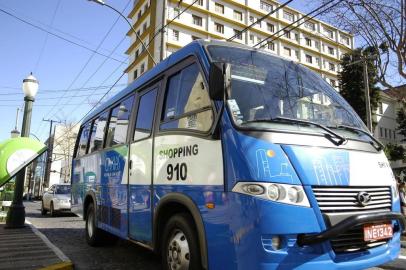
x: 94, y: 236
x: 180, y: 250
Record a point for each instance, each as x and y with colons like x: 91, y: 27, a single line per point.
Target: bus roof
x: 194, y: 48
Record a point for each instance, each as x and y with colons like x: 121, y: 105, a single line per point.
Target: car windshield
x: 62, y: 190
x: 265, y: 88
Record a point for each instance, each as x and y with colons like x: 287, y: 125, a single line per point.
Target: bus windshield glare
x: 266, y: 89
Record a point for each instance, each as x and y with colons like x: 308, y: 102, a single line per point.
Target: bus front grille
x: 338, y: 203
x: 344, y: 199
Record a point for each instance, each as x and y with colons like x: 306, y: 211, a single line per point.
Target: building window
x: 142, y: 68
x: 200, y: 2
x: 309, y: 59
x: 310, y: 26
x: 252, y: 38
x: 197, y: 20
x: 317, y: 61
x: 135, y: 74
x: 138, y: 32
x: 144, y: 27
x: 237, y: 15
x: 286, y: 33
x: 386, y: 133
x: 219, y: 8
x: 329, y: 33
x: 175, y: 35
x: 219, y: 28
x: 331, y: 67
x: 297, y: 37
x: 265, y: 6
x: 287, y: 51
x: 297, y: 54
x: 390, y: 134
x: 252, y: 19
x: 288, y: 16
x: 139, y: 14
x: 381, y: 132
x: 238, y: 34
x: 136, y: 54
x: 271, y: 27
x: 333, y: 83
x: 271, y: 46
x: 345, y: 40
x: 176, y: 12
x: 308, y: 42
x: 331, y: 50
x: 317, y: 44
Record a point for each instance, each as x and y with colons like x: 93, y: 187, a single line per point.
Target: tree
x: 394, y: 152
x: 401, y: 120
x: 352, y: 84
x: 382, y: 25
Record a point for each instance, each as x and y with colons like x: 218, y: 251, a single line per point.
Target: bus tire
x: 180, y: 245
x: 94, y: 236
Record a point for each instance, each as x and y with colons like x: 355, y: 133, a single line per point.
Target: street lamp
x: 101, y: 2
x: 16, y: 212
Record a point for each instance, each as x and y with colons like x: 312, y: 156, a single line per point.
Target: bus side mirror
x: 218, y: 80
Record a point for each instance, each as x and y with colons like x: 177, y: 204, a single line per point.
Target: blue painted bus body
x: 239, y: 230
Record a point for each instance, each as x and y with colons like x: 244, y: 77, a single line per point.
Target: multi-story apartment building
x: 315, y: 44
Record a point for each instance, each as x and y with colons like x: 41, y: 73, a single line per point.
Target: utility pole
x: 49, y: 152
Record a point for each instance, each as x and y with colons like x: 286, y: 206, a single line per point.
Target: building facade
x: 385, y: 117
x: 314, y: 44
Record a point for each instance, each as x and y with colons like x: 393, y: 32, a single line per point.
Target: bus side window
x: 187, y: 102
x: 118, y: 124
x: 145, y: 115
x: 97, y: 135
x: 84, y: 137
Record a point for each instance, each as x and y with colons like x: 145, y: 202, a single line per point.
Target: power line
x: 56, y: 35
x: 259, y: 20
x: 296, y: 26
x: 171, y: 21
x: 46, y: 38
x: 87, y: 62
x: 50, y: 98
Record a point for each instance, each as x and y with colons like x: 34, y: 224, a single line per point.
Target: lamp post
x: 16, y: 213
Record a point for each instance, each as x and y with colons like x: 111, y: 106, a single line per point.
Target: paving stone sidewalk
x: 27, y: 248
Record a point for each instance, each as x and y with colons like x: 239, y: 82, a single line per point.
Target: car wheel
x: 43, y: 210
x: 52, y: 210
x: 180, y: 249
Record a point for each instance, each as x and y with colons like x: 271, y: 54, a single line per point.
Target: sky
x: 64, y: 62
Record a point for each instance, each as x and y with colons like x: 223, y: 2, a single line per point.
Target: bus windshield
x: 267, y: 89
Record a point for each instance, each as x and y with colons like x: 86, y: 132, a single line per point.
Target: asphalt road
x: 66, y: 231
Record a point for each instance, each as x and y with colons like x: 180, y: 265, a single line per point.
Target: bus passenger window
x: 145, y: 115
x: 186, y: 93
x: 84, y: 136
x: 97, y: 135
x: 119, y: 120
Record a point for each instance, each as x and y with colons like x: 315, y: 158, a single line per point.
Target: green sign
x: 16, y: 154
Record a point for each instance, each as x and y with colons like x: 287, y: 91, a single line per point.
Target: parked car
x: 56, y: 199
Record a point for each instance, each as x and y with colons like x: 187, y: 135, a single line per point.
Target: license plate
x: 377, y: 232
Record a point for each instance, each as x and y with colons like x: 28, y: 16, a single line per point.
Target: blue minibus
x: 227, y: 157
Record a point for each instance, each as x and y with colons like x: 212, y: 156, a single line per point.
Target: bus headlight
x: 283, y: 193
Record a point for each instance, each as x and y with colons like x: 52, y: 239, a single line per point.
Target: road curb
x: 66, y: 263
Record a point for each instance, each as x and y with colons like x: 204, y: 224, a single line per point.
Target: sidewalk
x: 27, y: 248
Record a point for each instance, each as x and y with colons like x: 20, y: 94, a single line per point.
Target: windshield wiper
x: 338, y: 141
x: 375, y: 143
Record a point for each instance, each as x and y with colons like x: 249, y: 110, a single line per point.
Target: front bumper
x: 348, y: 223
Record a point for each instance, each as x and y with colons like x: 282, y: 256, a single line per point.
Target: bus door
x: 140, y: 168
